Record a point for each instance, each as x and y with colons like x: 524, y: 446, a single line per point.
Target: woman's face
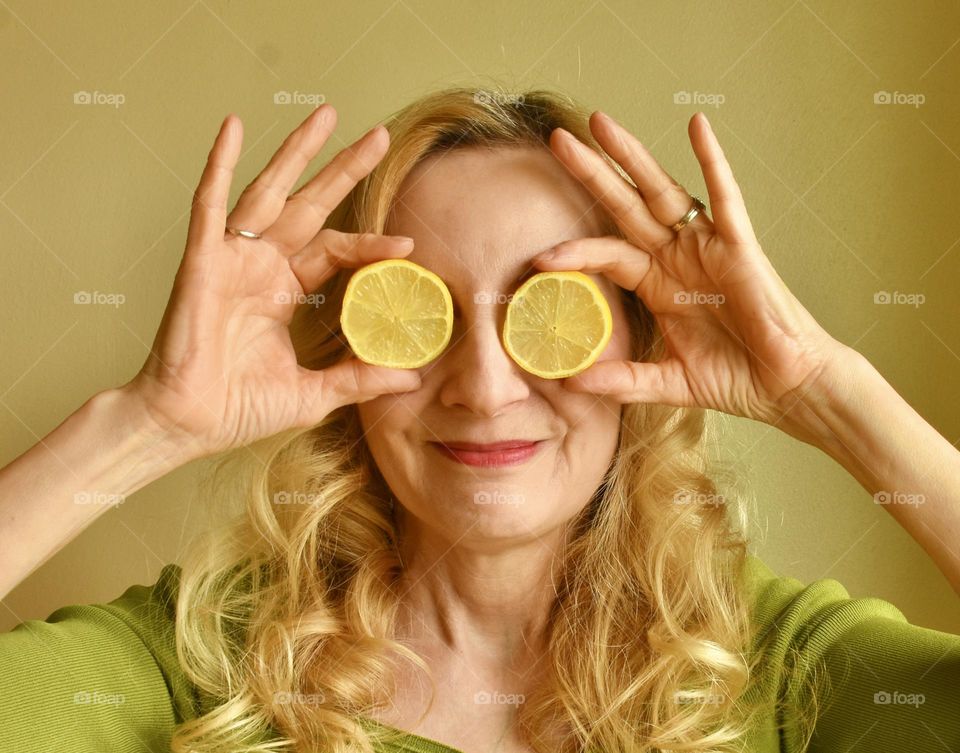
x: 477, y: 218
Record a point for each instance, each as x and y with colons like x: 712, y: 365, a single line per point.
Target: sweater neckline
x: 416, y: 743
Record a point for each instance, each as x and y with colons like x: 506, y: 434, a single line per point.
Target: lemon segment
x: 557, y: 324
x: 396, y: 313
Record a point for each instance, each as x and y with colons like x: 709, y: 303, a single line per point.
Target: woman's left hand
x: 738, y: 341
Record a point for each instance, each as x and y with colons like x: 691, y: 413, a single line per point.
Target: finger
x: 625, y: 264
x: 667, y: 199
x: 726, y: 201
x: 262, y: 201
x: 621, y: 199
x: 635, y: 382
x: 307, y: 210
x: 209, y: 212
x: 330, y: 249
x: 349, y: 381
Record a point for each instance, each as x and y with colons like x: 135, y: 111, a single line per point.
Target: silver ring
x: 698, y: 206
x: 244, y: 233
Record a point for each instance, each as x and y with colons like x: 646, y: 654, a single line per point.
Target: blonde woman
x: 358, y: 595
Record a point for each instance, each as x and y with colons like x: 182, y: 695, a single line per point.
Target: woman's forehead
x: 493, y: 196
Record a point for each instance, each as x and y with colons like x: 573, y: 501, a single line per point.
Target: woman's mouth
x: 511, y: 452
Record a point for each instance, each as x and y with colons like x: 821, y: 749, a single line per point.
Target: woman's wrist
x: 821, y: 411
x: 856, y: 417
x: 149, y: 449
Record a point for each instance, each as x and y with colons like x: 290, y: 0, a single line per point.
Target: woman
x: 384, y: 586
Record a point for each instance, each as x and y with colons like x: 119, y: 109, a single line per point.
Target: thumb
x: 635, y: 382
x: 349, y: 381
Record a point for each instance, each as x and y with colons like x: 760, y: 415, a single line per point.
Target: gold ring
x: 244, y: 233
x: 698, y: 206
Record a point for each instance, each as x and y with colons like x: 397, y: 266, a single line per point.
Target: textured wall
x: 848, y: 196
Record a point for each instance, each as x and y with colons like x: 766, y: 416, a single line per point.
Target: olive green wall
x: 848, y: 195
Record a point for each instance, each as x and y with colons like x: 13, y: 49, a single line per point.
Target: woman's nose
x: 477, y: 373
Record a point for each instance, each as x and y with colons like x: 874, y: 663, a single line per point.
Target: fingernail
x: 404, y: 240
x: 547, y: 255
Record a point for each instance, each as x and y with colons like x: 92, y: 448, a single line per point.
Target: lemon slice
x: 557, y: 324
x: 396, y: 313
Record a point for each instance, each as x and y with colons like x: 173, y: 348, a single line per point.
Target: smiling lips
x: 507, y: 452
x: 489, y: 447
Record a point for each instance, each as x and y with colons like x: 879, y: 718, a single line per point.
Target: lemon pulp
x: 396, y: 313
x: 557, y: 324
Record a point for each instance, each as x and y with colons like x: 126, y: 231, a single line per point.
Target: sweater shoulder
x: 854, y: 667
x: 101, y: 676
x: 149, y: 612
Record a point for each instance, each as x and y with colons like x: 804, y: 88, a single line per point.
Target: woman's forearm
x: 102, y: 452
x: 861, y: 421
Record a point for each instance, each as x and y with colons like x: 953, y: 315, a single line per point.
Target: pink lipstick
x: 511, y: 452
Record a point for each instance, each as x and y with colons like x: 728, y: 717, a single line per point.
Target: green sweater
x: 105, y: 677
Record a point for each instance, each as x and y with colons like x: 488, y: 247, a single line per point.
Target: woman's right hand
x: 222, y: 371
